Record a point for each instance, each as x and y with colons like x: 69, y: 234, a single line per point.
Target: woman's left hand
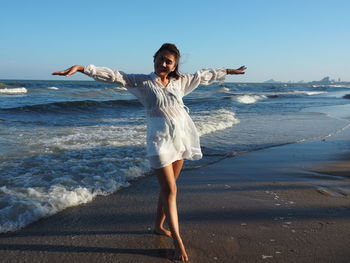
x: 70, y: 71
x: 240, y: 70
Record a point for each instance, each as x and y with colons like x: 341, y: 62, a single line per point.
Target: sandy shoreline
x: 283, y: 204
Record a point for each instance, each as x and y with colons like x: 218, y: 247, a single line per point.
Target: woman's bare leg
x: 177, y: 166
x: 160, y: 217
x: 167, y: 181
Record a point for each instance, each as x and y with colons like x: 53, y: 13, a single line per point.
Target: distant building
x: 325, y: 80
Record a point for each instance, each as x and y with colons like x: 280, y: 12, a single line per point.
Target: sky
x: 283, y: 40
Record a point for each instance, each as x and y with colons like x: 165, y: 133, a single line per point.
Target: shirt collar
x: 154, y: 76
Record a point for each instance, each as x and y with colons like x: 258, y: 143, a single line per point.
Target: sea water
x: 64, y: 142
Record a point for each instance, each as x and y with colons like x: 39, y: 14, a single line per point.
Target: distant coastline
x: 324, y: 81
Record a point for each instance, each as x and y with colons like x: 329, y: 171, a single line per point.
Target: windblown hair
x: 173, y: 50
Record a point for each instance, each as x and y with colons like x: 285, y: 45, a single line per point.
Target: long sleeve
x: 132, y: 82
x: 202, y: 77
x: 108, y: 75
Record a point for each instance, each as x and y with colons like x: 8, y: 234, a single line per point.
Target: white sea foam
x: 294, y: 92
x: 224, y: 89
x: 310, y: 93
x: 331, y: 85
x: 118, y: 88
x: 29, y: 204
x: 53, y: 88
x: 13, y: 90
x: 250, y: 99
x: 212, y: 121
x: 52, y: 185
x: 87, y: 137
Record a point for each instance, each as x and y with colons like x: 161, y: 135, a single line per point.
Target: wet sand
x: 284, y: 204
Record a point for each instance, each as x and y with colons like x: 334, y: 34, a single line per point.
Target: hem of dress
x: 195, y: 157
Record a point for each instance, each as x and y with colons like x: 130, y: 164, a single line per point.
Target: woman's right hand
x: 70, y: 71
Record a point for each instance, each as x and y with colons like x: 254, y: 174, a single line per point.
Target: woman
x: 171, y: 134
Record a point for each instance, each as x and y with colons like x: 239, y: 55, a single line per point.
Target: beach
x: 282, y: 204
x: 273, y: 185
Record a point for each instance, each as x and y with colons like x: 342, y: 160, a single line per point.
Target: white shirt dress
x: 171, y: 133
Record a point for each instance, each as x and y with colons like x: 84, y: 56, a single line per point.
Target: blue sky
x: 284, y: 40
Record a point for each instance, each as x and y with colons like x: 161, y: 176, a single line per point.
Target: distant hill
x: 272, y: 81
x: 325, y: 80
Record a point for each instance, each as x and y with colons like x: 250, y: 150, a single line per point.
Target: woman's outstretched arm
x: 104, y: 74
x: 133, y: 82
x: 207, y: 76
x: 70, y: 71
x: 240, y: 70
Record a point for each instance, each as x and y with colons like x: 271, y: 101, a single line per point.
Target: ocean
x: 64, y: 142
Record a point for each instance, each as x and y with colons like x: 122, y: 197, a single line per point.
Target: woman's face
x: 164, y: 63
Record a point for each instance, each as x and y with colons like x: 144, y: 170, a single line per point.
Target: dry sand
x: 284, y: 204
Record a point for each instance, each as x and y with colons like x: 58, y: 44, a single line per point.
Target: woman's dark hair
x: 173, y: 50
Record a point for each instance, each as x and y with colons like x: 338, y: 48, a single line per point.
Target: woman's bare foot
x: 180, y: 253
x: 162, y: 231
